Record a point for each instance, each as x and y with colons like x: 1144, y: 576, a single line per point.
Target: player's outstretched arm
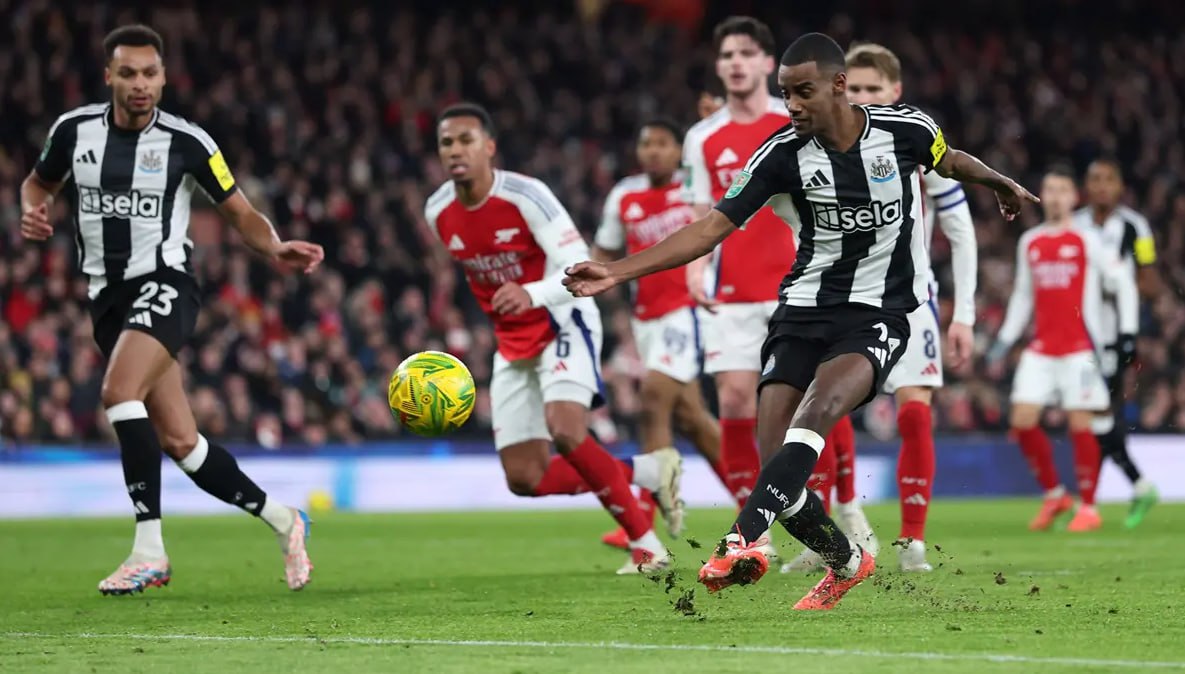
x: 968, y: 168
x: 260, y: 236
x: 37, y: 196
x: 695, y: 240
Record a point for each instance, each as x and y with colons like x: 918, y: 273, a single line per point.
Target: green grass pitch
x: 535, y: 592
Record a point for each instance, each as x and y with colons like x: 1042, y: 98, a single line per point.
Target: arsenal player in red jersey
x: 513, y: 238
x: 640, y: 211
x: 1061, y: 273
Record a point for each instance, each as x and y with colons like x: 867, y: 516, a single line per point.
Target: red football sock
x: 738, y: 452
x: 604, y: 475
x: 1086, y: 464
x: 843, y: 438
x: 647, y: 504
x: 915, y: 467
x: 721, y: 473
x: 560, y: 478
x: 822, y: 480
x: 1034, y: 444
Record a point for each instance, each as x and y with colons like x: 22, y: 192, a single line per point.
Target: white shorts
x: 734, y: 334
x: 671, y: 344
x: 569, y: 369
x: 1072, y: 382
x: 921, y: 363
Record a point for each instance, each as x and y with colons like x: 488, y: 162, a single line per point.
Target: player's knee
x: 914, y: 394
x: 177, y: 446
x: 822, y: 410
x: 114, y: 392
x: 567, y: 437
x: 523, y: 482
x: 1080, y: 421
x: 737, y: 402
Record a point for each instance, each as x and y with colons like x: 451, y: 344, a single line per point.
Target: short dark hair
x: 1108, y: 160
x: 133, y: 35
x: 817, y: 47
x: 664, y: 123
x: 745, y: 25
x: 1061, y: 170
x: 469, y: 110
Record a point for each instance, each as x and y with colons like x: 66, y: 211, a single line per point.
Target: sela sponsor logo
x: 112, y: 204
x: 875, y: 215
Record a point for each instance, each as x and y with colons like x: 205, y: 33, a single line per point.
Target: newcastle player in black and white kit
x: 846, y: 178
x: 130, y: 170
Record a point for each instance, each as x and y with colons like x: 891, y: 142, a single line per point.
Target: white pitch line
x: 615, y: 645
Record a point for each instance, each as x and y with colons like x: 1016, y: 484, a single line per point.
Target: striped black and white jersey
x: 131, y: 190
x: 1125, y: 233
x: 857, y: 213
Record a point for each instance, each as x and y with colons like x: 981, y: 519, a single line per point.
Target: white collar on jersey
x: 109, y: 120
x: 863, y: 134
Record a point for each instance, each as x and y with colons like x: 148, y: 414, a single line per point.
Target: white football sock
x: 1057, y: 492
x: 650, y: 543
x: 848, y: 570
x: 278, y: 516
x: 148, y: 544
x: 646, y: 472
x: 1143, y: 487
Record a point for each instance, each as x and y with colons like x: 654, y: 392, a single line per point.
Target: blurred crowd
x: 326, y: 115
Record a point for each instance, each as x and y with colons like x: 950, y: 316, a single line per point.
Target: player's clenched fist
x: 35, y: 223
x: 586, y: 279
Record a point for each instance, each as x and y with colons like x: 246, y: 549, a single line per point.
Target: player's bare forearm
x: 257, y: 231
x: 968, y: 168
x: 687, y: 244
x: 35, y: 191
x: 1148, y: 282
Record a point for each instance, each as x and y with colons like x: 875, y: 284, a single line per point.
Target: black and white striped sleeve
x: 204, y: 161
x: 764, y: 177
x: 922, y: 135
x: 56, y: 160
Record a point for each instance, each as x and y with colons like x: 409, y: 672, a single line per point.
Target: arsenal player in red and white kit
x: 1061, y: 272
x: 640, y: 211
x: 747, y: 269
x: 514, y: 239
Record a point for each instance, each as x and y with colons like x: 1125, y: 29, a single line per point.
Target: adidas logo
x: 87, y: 157
x: 818, y: 180
x: 634, y: 212
x: 931, y: 369
x: 882, y: 355
x: 915, y: 499
x: 456, y: 243
x: 143, y: 318
x: 727, y: 157
x: 768, y: 515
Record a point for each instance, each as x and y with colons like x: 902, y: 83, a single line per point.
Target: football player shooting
x: 125, y: 162
x: 842, y: 367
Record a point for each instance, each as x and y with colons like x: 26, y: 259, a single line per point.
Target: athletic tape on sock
x: 793, y: 510
x: 191, y: 463
x: 126, y: 411
x: 807, y: 437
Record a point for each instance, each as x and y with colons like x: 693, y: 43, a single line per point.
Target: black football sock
x: 780, y: 483
x: 213, y: 469
x: 139, y: 452
x: 1114, y: 446
x: 817, y: 531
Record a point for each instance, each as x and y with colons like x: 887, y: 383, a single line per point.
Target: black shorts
x: 800, y: 338
x: 164, y: 304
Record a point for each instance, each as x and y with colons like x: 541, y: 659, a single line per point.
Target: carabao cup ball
x: 431, y: 393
